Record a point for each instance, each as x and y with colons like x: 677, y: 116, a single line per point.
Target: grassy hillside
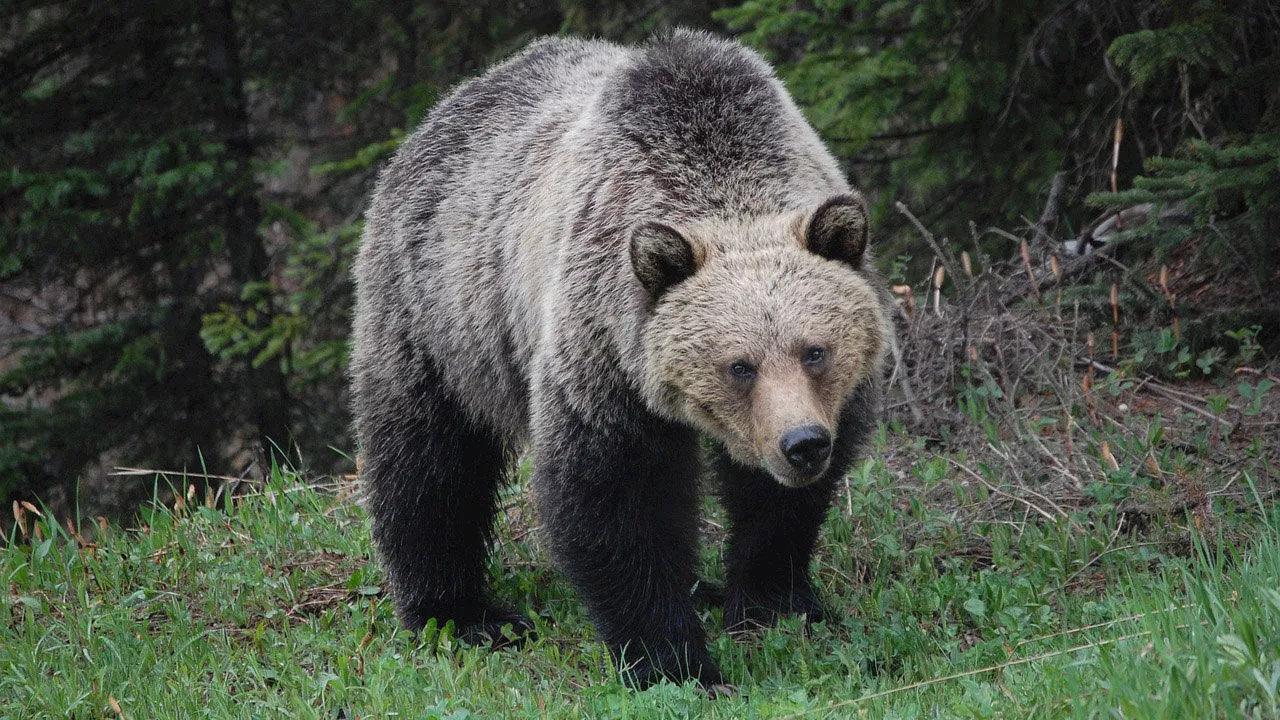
x: 269, y: 605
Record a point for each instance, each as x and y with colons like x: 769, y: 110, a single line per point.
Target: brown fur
x: 757, y: 296
x: 568, y: 257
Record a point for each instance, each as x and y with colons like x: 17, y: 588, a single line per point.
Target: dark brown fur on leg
x: 619, y: 504
x: 430, y: 479
x: 773, y: 529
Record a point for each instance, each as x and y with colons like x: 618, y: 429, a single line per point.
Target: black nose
x: 806, y: 447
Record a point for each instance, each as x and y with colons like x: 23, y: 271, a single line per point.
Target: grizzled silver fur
x: 554, y: 261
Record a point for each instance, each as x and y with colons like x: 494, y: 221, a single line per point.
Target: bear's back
x: 702, y: 123
x: 484, y: 116
x: 712, y: 129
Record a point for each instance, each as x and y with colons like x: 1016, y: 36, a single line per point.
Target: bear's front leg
x: 772, y: 530
x: 617, y: 494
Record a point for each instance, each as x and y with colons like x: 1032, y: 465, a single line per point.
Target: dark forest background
x: 182, y: 185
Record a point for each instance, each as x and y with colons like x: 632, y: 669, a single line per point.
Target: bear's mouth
x: 788, y: 476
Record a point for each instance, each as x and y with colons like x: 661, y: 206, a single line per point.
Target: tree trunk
x: 267, y: 393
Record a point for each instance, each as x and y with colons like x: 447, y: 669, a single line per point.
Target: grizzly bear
x: 599, y: 255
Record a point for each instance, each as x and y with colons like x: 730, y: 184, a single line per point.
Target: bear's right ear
x: 838, y: 230
x: 661, y: 257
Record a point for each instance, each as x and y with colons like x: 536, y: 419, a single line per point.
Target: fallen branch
x: 944, y: 257
x: 1158, y: 388
x: 141, y: 472
x: 995, y: 490
x: 1068, y: 271
x: 903, y: 377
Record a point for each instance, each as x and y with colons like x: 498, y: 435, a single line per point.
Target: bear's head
x: 760, y: 329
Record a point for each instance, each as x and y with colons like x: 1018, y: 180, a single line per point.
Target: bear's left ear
x: 661, y: 257
x: 837, y: 230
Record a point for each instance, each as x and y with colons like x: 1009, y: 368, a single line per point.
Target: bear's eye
x: 742, y: 370
x: 814, y: 356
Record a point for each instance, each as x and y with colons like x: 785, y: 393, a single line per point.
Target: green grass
x: 273, y: 607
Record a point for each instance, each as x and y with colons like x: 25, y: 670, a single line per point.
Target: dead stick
x: 135, y: 472
x: 1052, y: 207
x: 1026, y: 264
x: 1030, y: 505
x: 1155, y: 386
x: 945, y: 258
x: 1115, y: 322
x: 904, y: 381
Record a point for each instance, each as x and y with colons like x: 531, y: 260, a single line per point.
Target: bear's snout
x: 806, y: 447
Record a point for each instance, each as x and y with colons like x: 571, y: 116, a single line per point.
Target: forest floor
x: 955, y: 593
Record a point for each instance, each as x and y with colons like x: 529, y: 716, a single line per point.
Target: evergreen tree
x: 966, y: 111
x: 130, y: 212
x: 171, y: 300
x: 1215, y: 68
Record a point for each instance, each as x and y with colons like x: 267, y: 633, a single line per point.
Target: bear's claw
x: 751, y: 610
x: 677, y: 666
x: 486, y: 631
x: 707, y: 594
x: 497, y: 629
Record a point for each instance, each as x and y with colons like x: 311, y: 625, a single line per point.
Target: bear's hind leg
x: 431, y: 478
